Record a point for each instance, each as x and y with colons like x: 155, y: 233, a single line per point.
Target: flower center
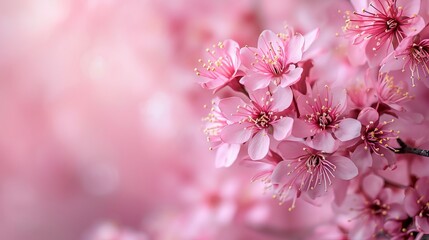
x: 313, y: 161
x: 378, y: 208
x: 262, y: 120
x: 324, y: 120
x: 419, y: 53
x: 391, y: 24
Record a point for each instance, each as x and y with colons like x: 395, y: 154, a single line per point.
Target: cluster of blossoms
x: 313, y: 137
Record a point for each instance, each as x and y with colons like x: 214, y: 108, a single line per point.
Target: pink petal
x: 345, y: 168
x: 310, y: 38
x: 226, y: 155
x: 348, y: 129
x: 255, y: 81
x: 422, y: 224
x: 291, y: 150
x: 295, y: 48
x: 282, y: 99
x: 229, y: 107
x: 267, y: 37
x: 282, y: 128
x: 301, y: 129
x: 409, y: 7
x: 280, y: 172
x: 291, y: 77
x: 372, y: 185
x: 362, y: 158
x: 316, y: 192
x: 340, y: 191
x: 324, y: 141
x: 339, y: 98
x: 416, y: 25
x: 233, y: 51
x: 410, y: 202
x: 422, y: 187
x: 368, y: 115
x: 259, y: 145
x: 359, y: 4
x: 375, y: 57
x: 236, y: 133
x: 247, y: 55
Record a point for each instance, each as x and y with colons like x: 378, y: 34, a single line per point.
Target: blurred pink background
x: 101, y: 130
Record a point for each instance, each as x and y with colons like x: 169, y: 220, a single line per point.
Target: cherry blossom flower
x: 222, y: 66
x: 399, y: 225
x: 369, y: 208
x: 416, y: 204
x: 375, y: 149
x: 322, y: 118
x: 257, y: 121
x: 226, y: 153
x: 275, y: 60
x: 391, y: 94
x: 305, y: 169
x: 383, y: 23
x: 411, y: 55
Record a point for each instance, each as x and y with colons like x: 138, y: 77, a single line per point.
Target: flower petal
x: 236, y: 133
x: 324, y: 141
x: 372, y: 185
x: 301, y: 129
x: 362, y: 158
x: 290, y: 150
x: 409, y: 7
x: 295, y: 48
x: 348, y: 129
x: 229, y: 107
x: 422, y: 224
x: 292, y: 76
x: 282, y: 98
x: 345, y: 168
x: 368, y: 115
x: 259, y: 145
x: 410, y: 202
x: 310, y: 38
x: 226, y: 155
x: 255, y: 81
x: 282, y: 128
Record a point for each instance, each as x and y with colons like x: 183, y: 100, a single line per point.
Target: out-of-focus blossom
x: 226, y: 153
x: 416, y: 204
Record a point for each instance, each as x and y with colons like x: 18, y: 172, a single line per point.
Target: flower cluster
x: 314, y: 136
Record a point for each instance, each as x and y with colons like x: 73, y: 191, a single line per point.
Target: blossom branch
x: 406, y: 149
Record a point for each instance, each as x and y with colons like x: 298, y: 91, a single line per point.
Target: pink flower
x: 399, y: 225
x: 412, y: 54
x: 384, y: 23
x: 369, y: 208
x: 416, y: 204
x: 321, y: 118
x: 375, y: 149
x: 275, y: 60
x: 309, y: 170
x: 222, y: 65
x: 226, y: 153
x: 258, y: 120
x: 391, y: 94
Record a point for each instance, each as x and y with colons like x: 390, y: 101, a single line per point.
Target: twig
x: 406, y: 149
